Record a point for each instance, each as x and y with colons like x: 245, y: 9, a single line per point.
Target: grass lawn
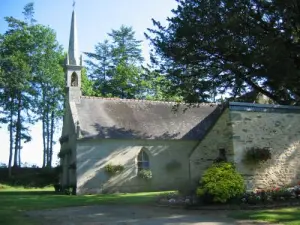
x: 14, y: 201
x: 288, y: 216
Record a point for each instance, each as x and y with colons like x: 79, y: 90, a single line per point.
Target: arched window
x: 143, y: 161
x: 74, y: 80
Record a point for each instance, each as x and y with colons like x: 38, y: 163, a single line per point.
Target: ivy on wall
x: 64, y: 152
x: 64, y: 139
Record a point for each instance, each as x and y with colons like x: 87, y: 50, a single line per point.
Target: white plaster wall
x: 93, y: 155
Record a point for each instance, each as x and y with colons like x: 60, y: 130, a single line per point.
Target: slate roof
x: 138, y: 119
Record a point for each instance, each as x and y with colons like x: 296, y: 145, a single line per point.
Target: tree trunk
x: 11, y: 138
x: 18, y: 132
x: 48, y: 135
x: 44, y: 133
x: 44, y: 139
x: 51, y: 138
x: 20, y: 148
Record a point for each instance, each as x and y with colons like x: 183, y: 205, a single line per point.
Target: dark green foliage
x: 210, y: 47
x: 87, y: 85
x: 31, y: 82
x: 221, y: 182
x: 64, y: 139
x: 115, y: 70
x: 113, y: 169
x: 114, y: 67
x: 60, y: 155
x: 125, y: 48
x: 145, y: 174
x: 64, y: 152
x: 29, y: 177
x: 57, y: 187
x: 254, y: 155
x: 58, y: 169
x: 69, y: 190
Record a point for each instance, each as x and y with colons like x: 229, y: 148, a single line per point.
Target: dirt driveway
x: 130, y: 215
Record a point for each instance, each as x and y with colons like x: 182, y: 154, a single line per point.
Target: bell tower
x: 73, y: 65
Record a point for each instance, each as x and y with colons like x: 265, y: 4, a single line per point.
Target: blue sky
x: 95, y: 18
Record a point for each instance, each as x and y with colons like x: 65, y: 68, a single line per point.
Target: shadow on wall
x: 127, y: 144
x: 115, y: 133
x: 92, y: 160
x: 202, y: 128
x: 219, y: 136
x: 278, y: 131
x: 98, y: 181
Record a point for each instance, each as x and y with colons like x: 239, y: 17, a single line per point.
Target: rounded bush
x: 222, y: 182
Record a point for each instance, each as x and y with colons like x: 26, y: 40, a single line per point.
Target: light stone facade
x: 279, y: 131
x: 207, y: 150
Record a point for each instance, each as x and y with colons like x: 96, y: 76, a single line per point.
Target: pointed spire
x: 73, y: 53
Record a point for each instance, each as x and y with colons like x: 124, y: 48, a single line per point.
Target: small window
x: 74, y: 80
x: 143, y: 161
x: 222, y: 156
x: 222, y: 153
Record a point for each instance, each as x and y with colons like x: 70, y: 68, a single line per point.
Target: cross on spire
x: 74, y: 2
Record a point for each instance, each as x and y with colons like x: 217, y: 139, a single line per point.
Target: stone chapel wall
x: 206, y: 151
x: 276, y: 128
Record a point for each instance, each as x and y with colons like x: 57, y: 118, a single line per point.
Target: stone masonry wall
x: 68, y: 177
x: 207, y: 150
x: 276, y: 129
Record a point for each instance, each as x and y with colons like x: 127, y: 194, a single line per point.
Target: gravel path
x: 132, y: 215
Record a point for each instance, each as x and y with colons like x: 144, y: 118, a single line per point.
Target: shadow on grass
x: 285, y: 215
x: 3, y: 193
x: 14, y: 203
x: 43, y: 200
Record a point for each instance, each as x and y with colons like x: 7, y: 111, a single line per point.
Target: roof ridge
x: 144, y: 100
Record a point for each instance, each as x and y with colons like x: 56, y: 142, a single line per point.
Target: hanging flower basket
x: 145, y: 174
x: 113, y: 169
x: 255, y: 154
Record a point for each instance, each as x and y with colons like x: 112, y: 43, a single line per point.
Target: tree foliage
x: 212, y: 47
x: 31, y: 82
x: 115, y: 69
x: 115, y: 66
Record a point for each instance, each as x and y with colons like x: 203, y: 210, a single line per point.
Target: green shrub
x: 29, y: 177
x: 221, y: 182
x: 145, y: 174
